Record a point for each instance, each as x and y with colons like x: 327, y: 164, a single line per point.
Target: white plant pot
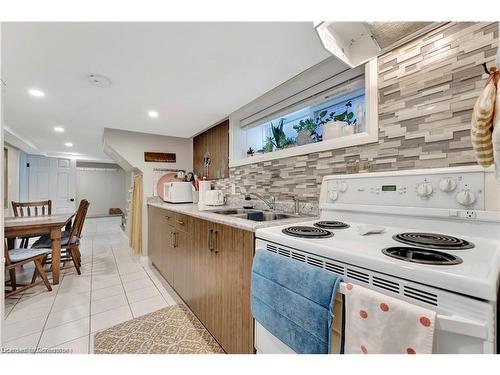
x: 333, y: 129
x: 348, y: 130
x: 303, y: 137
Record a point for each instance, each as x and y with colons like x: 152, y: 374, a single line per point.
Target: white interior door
x: 54, y: 179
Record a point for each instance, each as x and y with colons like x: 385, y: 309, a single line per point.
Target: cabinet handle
x: 173, y: 239
x: 216, y: 242
x: 209, y: 239
x: 180, y: 222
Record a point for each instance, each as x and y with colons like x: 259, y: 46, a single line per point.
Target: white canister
x: 204, y: 186
x: 333, y: 129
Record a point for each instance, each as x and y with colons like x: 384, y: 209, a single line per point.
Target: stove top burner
x: 423, y: 256
x: 433, y: 241
x: 307, y: 232
x: 328, y: 224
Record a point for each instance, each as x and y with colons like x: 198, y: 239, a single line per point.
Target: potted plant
x: 306, y: 131
x: 268, y: 146
x: 279, y: 140
x: 250, y: 151
x: 334, y: 125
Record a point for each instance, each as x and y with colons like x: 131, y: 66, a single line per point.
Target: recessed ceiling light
x: 68, y: 144
x: 153, y: 114
x: 36, y: 92
x: 58, y: 129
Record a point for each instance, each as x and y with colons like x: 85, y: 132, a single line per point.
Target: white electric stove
x: 439, y: 248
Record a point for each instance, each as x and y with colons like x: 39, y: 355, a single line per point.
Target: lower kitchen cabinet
x: 209, y: 266
x: 155, y: 235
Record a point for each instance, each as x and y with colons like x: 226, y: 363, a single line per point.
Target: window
x: 334, y: 113
x: 306, y: 125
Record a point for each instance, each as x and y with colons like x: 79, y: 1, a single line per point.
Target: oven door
x: 453, y: 336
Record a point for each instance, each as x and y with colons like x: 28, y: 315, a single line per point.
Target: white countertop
x: 194, y: 210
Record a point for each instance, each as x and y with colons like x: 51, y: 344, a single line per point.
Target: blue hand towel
x: 294, y: 301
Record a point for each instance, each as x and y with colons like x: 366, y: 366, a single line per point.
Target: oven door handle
x: 461, y: 326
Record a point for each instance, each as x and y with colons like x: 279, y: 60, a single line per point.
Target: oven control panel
x: 454, y: 188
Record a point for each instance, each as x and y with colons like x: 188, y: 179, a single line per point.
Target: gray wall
x: 427, y: 89
x: 103, y: 188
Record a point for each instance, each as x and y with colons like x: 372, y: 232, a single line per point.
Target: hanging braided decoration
x: 482, y: 120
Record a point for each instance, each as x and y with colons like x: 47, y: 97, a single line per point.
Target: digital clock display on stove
x: 388, y: 187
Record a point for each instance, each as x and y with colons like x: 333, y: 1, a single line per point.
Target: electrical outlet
x: 470, y: 214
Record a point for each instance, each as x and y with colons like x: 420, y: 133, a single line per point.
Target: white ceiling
x: 193, y: 74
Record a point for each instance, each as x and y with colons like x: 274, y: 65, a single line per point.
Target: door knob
x: 72, y: 199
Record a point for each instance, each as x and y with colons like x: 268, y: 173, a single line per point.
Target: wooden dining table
x: 32, y: 226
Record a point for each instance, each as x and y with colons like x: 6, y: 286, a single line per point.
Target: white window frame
x: 369, y: 135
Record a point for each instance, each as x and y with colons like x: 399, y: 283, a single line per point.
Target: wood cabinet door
x: 182, y: 273
x: 160, y: 232
x: 216, y: 141
x: 169, y: 256
x: 235, y: 249
x: 197, y: 254
x: 212, y: 298
x: 219, y: 288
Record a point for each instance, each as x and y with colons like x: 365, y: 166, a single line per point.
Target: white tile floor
x: 113, y: 287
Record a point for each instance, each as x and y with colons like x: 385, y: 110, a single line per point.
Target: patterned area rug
x: 172, y: 330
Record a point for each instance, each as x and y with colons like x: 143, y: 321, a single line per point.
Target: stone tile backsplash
x: 427, y: 89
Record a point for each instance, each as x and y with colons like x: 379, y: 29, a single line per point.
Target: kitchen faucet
x: 269, y: 202
x: 296, y: 202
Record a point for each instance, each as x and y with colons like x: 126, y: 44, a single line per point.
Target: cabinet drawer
x: 182, y: 222
x: 169, y: 217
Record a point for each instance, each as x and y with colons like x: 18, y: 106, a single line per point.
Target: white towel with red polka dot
x: 379, y: 324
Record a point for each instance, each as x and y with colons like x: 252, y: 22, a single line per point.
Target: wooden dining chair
x: 70, y: 239
x: 36, y: 208
x: 15, y: 258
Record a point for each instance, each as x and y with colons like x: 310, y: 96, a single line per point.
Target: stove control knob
x: 424, y: 189
x: 333, y: 195
x: 447, y: 184
x: 342, y: 186
x: 466, y: 197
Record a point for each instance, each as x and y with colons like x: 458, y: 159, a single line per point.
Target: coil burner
x: 423, y: 256
x: 433, y: 241
x: 327, y: 224
x: 307, y: 232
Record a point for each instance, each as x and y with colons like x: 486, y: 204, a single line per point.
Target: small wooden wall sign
x: 159, y: 157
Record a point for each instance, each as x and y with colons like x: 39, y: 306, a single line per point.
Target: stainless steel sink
x: 255, y: 215
x: 235, y: 211
x: 265, y: 216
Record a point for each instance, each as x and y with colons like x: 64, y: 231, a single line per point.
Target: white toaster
x: 214, y: 198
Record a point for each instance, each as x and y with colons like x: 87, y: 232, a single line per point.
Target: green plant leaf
x: 350, y: 115
x: 323, y: 114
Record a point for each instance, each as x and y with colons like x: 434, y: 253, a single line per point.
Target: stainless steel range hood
x: 356, y: 42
